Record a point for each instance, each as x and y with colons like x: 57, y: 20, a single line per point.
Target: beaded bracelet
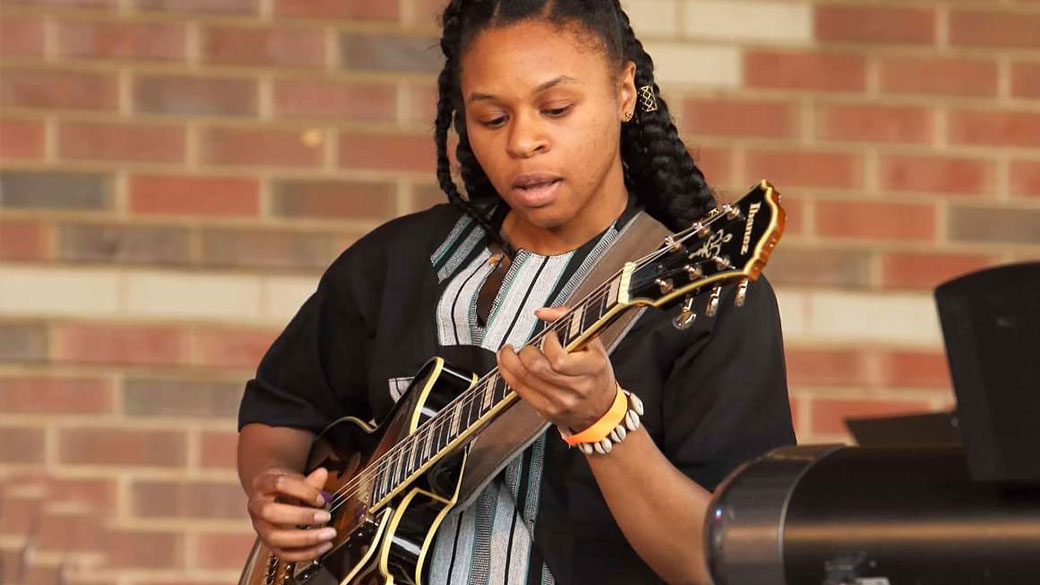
x: 611, y: 429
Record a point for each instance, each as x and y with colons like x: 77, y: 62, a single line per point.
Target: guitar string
x: 392, y: 456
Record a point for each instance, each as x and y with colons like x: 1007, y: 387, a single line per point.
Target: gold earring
x: 628, y: 116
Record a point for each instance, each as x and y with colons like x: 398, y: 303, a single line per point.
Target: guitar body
x: 380, y: 542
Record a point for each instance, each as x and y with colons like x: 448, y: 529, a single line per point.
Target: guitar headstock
x: 732, y: 243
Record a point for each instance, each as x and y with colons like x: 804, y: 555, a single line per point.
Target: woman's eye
x: 495, y: 123
x: 556, y: 112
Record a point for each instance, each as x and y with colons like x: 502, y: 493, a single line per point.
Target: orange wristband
x: 601, y: 428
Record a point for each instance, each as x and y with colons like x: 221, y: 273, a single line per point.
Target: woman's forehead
x: 529, y: 54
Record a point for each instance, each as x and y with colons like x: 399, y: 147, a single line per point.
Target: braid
x: 658, y: 168
x: 474, y: 178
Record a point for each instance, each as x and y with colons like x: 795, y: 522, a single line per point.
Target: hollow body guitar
x: 391, y: 486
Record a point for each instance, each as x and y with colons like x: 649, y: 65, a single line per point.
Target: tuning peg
x: 694, y: 272
x: 666, y: 285
x: 699, y: 229
x: 731, y: 211
x: 673, y: 245
x: 713, y: 301
x: 686, y: 316
x: 722, y: 262
x: 741, y: 293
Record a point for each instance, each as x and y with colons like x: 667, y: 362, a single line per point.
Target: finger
x: 544, y: 375
x: 512, y: 371
x: 293, y: 486
x: 288, y: 538
x: 295, y: 555
x: 277, y: 513
x: 550, y: 314
x: 317, y: 479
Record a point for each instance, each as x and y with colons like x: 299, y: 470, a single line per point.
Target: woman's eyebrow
x: 542, y: 87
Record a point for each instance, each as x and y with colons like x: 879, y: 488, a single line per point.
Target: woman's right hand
x: 281, y: 501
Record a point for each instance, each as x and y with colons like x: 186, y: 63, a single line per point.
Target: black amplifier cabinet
x: 830, y: 515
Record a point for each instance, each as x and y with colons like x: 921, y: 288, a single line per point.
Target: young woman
x: 558, y: 148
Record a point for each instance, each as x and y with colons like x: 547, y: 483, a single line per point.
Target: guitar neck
x: 465, y: 417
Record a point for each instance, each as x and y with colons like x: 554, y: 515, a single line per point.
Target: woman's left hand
x: 572, y: 390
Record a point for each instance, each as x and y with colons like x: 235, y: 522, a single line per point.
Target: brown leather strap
x: 519, y: 426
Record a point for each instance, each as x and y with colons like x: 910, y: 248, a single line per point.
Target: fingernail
x: 322, y: 516
x: 321, y: 499
x: 327, y: 533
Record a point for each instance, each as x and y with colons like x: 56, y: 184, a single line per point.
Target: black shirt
x: 715, y: 395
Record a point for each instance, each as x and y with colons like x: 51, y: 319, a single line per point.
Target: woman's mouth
x: 537, y: 192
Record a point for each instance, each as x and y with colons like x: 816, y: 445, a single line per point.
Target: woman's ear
x: 627, y: 90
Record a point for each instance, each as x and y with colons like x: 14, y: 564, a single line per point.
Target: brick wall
x: 176, y: 174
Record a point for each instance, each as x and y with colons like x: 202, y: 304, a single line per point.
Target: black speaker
x: 991, y: 327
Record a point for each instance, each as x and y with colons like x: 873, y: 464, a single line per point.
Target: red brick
x: 423, y: 104
x: 715, y: 163
x: 265, y: 47
x: 21, y: 36
x: 145, y: 549
x: 862, y: 219
x: 232, y: 348
x: 820, y: 267
x: 333, y: 199
x: 200, y: 96
x: 363, y: 102
x: 995, y: 128
x: 915, y: 369
x: 123, y: 142
x: 430, y: 11
x: 109, y: 344
x: 972, y: 28
x: 794, y: 218
x: 875, y: 24
x: 21, y: 444
x: 396, y: 153
x: 1025, y: 80
x: 774, y: 70
x: 264, y: 147
x: 188, y: 499
x: 828, y: 415
x: 961, y: 176
x: 926, y: 271
x: 205, y: 196
x: 920, y: 75
x: 337, y: 9
x: 219, y: 450
x: 229, y: 7
x: 1025, y: 177
x: 874, y: 123
x: 22, y: 139
x: 824, y: 367
x: 791, y: 169
x: 217, y: 550
x: 115, y: 446
x: 24, y: 240
x: 726, y: 117
x: 98, y: 494
x: 223, y: 248
x: 53, y: 395
x: 82, y: 4
x: 117, y: 40
x: 78, y: 531
x: 53, y: 89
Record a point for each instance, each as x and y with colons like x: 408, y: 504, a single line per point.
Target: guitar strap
x: 520, y: 425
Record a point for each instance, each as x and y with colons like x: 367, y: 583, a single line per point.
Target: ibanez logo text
x: 746, y: 243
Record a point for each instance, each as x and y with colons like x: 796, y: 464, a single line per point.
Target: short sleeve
x: 315, y: 371
x: 725, y: 399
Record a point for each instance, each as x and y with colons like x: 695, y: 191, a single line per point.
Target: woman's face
x: 543, y: 108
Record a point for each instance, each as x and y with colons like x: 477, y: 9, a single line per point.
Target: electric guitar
x: 391, y: 486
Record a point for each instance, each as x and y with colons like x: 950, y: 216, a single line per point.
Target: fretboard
x: 465, y: 416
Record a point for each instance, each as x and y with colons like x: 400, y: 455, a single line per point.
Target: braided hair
x: 657, y: 167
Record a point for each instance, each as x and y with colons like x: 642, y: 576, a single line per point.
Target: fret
x: 427, y: 446
x: 395, y: 464
x: 612, y: 292
x: 385, y: 485
x: 489, y: 388
x: 456, y: 413
x: 575, y: 328
x: 593, y: 313
x: 411, y: 458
